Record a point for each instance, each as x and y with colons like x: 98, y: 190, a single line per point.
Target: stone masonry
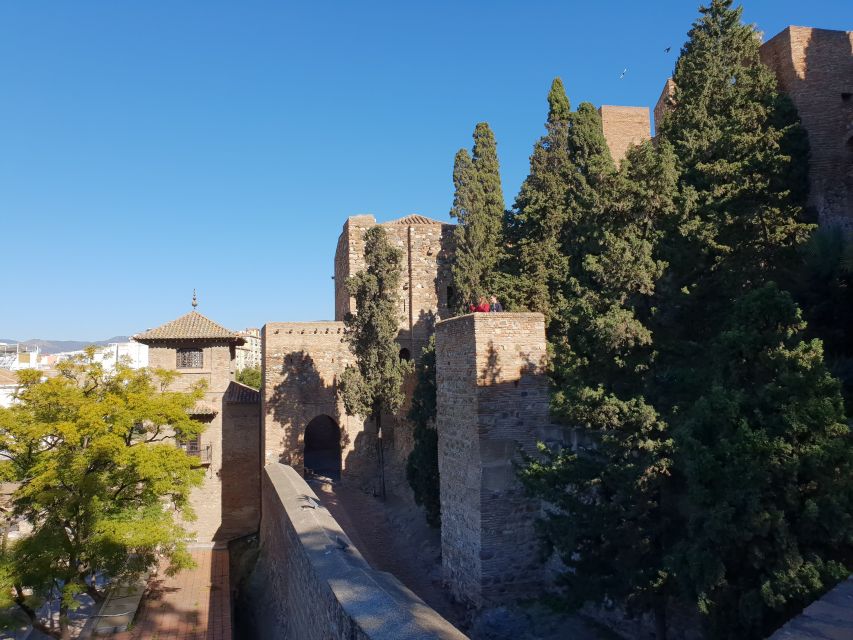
x: 311, y: 583
x: 815, y: 68
x: 492, y: 401
x: 623, y: 128
x: 427, y: 247
x: 228, y: 502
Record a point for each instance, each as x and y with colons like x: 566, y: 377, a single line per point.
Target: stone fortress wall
x: 492, y: 391
x: 492, y: 402
x: 814, y: 67
x: 311, y: 583
x: 302, y: 360
x: 624, y: 127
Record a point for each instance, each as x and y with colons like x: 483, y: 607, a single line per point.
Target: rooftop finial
x: 195, y: 301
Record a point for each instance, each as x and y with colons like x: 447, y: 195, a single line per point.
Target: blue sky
x: 147, y: 148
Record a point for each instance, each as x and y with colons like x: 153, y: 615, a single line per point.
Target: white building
x: 249, y: 354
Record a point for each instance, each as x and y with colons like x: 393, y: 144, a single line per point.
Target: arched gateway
x: 322, y: 453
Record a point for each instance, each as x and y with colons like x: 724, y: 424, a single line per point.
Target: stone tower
x: 228, y: 503
x: 492, y: 402
x: 815, y: 68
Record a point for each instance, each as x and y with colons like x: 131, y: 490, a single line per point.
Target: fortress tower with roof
x: 228, y: 502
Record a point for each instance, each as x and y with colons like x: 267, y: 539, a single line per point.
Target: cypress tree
x: 373, y: 385
x: 540, y: 214
x: 760, y: 442
x: 742, y: 157
x: 478, y: 206
x: 610, y: 520
x: 422, y: 465
x: 769, y: 470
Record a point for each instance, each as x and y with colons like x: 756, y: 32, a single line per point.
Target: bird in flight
x: 667, y: 49
x: 624, y: 71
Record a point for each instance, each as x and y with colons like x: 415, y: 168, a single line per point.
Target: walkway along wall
x: 492, y: 401
x: 310, y: 583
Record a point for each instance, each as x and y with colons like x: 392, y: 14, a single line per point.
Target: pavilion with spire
x: 201, y: 350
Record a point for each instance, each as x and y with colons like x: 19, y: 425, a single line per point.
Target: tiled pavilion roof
x: 415, y: 219
x: 192, y: 326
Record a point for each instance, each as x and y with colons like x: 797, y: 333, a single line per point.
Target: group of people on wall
x: 486, y: 306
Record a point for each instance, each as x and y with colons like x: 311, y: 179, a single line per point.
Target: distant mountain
x: 56, y: 346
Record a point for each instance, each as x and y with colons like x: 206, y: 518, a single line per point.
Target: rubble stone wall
x: 313, y: 584
x: 492, y: 402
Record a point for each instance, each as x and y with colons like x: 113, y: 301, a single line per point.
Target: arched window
x: 405, y: 354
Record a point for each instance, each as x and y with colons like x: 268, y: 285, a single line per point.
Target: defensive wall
x: 623, y: 128
x: 492, y: 403
x: 814, y: 67
x: 310, y: 582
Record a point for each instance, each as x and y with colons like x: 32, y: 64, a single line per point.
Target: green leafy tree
x: 250, y: 376
x: 610, y: 517
x: 768, y: 460
x: 422, y: 465
x: 373, y: 385
x: 541, y: 212
x: 478, y: 206
x: 100, y: 481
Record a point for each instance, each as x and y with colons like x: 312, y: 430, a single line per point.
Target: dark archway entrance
x: 323, y: 448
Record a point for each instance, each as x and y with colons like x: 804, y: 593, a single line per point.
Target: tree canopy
x: 373, y: 385
x: 100, y: 480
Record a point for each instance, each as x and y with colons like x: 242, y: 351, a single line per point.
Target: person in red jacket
x: 481, y: 307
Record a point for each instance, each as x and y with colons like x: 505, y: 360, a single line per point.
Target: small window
x: 405, y: 354
x: 190, y: 359
x: 449, y: 300
x: 846, y: 96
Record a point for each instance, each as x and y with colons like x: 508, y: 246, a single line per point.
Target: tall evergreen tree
x: 610, y: 520
x: 535, y: 226
x: 373, y: 385
x: 769, y: 466
x: 751, y: 406
x: 478, y: 207
x: 742, y: 156
x: 422, y: 465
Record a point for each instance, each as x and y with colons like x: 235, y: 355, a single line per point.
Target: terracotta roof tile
x: 241, y: 394
x: 201, y: 408
x: 415, y: 219
x: 191, y: 326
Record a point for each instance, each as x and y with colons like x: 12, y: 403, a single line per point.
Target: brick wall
x: 306, y: 587
x: 815, y: 68
x: 227, y: 503
x: 427, y: 248
x: 492, y: 400
x: 623, y: 128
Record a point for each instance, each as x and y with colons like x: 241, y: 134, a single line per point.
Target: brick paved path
x: 193, y: 605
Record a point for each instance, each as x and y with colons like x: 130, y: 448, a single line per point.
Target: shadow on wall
x: 303, y: 400
x: 297, y: 399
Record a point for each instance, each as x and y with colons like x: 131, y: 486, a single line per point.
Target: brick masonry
x: 623, y: 128
x: 815, y: 68
x: 228, y: 502
x: 313, y: 584
x: 492, y: 401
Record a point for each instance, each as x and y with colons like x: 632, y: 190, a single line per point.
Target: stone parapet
x: 315, y: 583
x: 492, y: 403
